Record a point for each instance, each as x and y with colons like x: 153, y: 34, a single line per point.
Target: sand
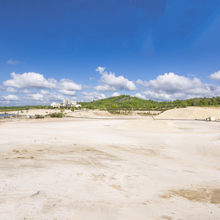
x: 89, y: 169
x: 191, y: 113
x: 84, y: 113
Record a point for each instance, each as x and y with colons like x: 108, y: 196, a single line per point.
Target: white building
x: 66, y: 103
x: 55, y: 105
x: 77, y: 106
x: 211, y: 119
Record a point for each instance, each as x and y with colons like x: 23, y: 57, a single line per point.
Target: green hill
x: 120, y: 102
x: 126, y: 102
x: 134, y: 103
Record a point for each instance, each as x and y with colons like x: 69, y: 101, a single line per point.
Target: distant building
x: 55, y: 105
x: 77, y: 106
x: 211, y: 119
x: 66, y: 103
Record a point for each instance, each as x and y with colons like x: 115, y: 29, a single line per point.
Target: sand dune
x: 191, y: 113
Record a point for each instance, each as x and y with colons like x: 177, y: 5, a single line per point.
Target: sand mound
x: 148, y: 125
x: 191, y: 113
x: 90, y: 114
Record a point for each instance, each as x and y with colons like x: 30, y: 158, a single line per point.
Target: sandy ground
x: 89, y: 169
x: 83, y: 113
x: 191, y: 113
x: 33, y: 112
x: 105, y: 114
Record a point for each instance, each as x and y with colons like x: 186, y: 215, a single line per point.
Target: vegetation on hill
x: 134, y: 103
x: 126, y: 102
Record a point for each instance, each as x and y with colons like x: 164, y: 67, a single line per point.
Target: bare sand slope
x: 84, y: 169
x: 100, y: 114
x: 191, y: 113
x: 90, y: 114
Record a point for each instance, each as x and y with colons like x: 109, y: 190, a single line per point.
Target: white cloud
x: 30, y: 80
x: 2, y: 88
x: 35, y: 97
x: 25, y: 91
x: 171, y: 87
x: 13, y: 62
x: 170, y: 83
x: 55, y: 97
x: 215, y: 76
x: 44, y: 92
x: 69, y: 85
x: 11, y: 90
x: 92, y: 96
x: 140, y: 96
x: 87, y: 87
x: 116, y: 94
x: 100, y: 69
x: 67, y: 92
x: 105, y: 88
x: 36, y: 80
x: 142, y: 83
x: 11, y: 98
x: 110, y: 82
x: 92, y: 78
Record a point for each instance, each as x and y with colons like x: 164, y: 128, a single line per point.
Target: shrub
x: 56, y: 115
x: 39, y: 116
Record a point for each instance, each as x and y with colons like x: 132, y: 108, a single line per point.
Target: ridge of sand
x: 191, y: 113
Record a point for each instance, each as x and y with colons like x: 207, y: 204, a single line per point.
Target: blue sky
x: 92, y: 49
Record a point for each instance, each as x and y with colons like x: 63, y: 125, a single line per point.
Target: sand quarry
x: 109, y: 168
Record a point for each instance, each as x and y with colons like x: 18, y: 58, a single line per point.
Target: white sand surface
x: 89, y: 169
x: 37, y: 112
x: 100, y: 114
x: 191, y: 113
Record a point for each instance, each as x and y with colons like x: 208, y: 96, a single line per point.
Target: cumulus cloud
x: 110, y: 82
x: 100, y: 69
x: 2, y: 88
x: 140, y: 96
x: 215, y: 76
x: 11, y: 90
x: 116, y: 94
x: 69, y: 85
x: 30, y: 80
x: 55, y: 97
x: 25, y: 91
x: 92, y: 96
x: 142, y: 83
x: 105, y: 88
x: 44, y: 92
x: 11, y: 98
x: 12, y: 62
x: 35, y: 97
x: 36, y: 80
x: 92, y: 78
x: 67, y: 92
x: 87, y: 87
x: 171, y: 86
